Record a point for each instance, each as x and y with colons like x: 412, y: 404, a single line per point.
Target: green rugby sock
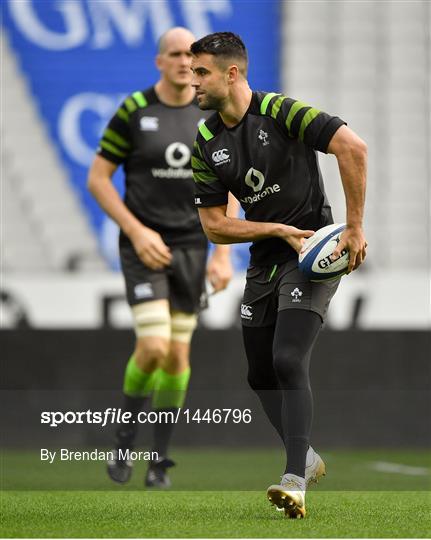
x: 169, y: 395
x: 136, y: 381
x: 136, y: 388
x: 170, y: 390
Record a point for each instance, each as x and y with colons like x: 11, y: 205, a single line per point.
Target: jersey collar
x: 253, y: 108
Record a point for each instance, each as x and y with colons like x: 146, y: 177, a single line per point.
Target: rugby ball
x: 315, y: 256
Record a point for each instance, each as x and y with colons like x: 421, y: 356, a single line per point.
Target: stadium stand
x: 43, y: 226
x: 373, y: 72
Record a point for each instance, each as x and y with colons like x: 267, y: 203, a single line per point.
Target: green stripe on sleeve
x: 112, y: 136
x: 205, y: 132
x: 276, y: 106
x: 198, y: 148
x: 273, y: 271
x: 309, y: 116
x: 111, y: 148
x: 130, y: 105
x: 204, y: 177
x: 265, y: 102
x: 121, y: 113
x: 297, y: 106
x: 199, y: 164
x: 140, y: 99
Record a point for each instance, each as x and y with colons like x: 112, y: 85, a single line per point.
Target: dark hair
x: 223, y: 45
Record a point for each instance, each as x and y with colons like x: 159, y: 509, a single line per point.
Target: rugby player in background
x: 163, y: 249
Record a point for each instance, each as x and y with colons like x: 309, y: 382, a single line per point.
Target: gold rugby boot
x: 288, y: 496
x: 316, y: 468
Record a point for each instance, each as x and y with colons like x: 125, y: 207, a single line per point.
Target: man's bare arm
x: 222, y: 229
x: 219, y: 267
x: 147, y: 243
x: 351, y: 154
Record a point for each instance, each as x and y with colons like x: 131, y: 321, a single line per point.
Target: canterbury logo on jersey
x: 143, y: 290
x: 149, y: 123
x: 220, y: 157
x: 246, y: 312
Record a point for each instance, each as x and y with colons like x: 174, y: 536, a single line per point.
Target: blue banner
x: 80, y: 57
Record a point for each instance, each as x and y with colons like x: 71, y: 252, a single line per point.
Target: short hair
x: 224, y: 46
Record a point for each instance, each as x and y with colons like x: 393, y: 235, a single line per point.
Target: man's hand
x: 150, y: 248
x: 352, y: 239
x: 219, y: 269
x: 293, y: 236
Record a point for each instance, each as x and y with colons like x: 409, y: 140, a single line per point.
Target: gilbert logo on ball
x: 315, y: 256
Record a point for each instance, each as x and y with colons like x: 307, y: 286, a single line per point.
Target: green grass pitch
x: 217, y: 494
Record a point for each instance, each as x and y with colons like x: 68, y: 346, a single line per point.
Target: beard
x: 213, y: 103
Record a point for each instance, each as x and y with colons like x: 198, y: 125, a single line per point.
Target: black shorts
x: 182, y: 283
x: 270, y: 289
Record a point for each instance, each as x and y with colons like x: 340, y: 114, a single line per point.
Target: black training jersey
x: 268, y: 161
x: 154, y: 142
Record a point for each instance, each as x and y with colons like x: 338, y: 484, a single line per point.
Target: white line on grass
x: 399, y: 468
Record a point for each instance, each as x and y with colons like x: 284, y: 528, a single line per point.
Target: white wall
x: 369, y: 63
x: 389, y: 300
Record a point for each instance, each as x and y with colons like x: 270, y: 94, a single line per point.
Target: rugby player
x: 261, y: 147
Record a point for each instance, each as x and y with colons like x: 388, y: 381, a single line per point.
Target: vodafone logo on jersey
x: 177, y: 155
x: 255, y: 179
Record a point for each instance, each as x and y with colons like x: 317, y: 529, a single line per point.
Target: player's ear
x: 232, y: 74
x: 159, y: 62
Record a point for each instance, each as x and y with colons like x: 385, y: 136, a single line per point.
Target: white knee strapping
x: 152, y: 319
x: 183, y: 325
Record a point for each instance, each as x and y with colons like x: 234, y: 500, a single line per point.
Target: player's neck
x: 175, y: 96
x: 236, y: 106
